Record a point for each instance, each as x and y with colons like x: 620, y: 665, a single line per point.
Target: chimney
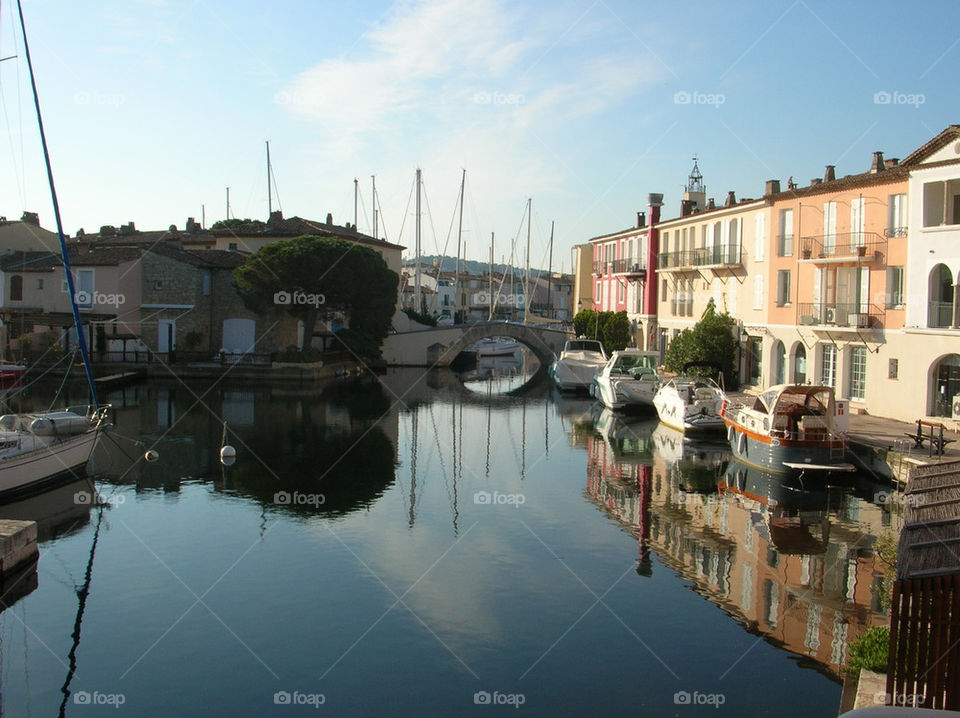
x: 731, y: 199
x: 641, y: 219
x: 686, y: 207
x: 877, y: 164
x: 329, y: 218
x: 892, y: 162
x: 30, y: 218
x: 711, y: 204
x: 655, y: 199
x: 815, y: 181
x: 773, y: 187
x: 829, y: 175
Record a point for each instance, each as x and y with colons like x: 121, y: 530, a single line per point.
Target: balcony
x: 895, y: 232
x: 702, y: 258
x: 843, y: 317
x: 601, y: 268
x: 843, y: 248
x: 630, y: 267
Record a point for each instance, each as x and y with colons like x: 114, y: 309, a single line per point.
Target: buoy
x: 227, y: 454
x: 151, y: 455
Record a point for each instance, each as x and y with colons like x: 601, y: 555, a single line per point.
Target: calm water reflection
x: 411, y: 545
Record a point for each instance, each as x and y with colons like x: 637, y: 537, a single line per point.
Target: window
x: 619, y: 291
x: 893, y: 297
x: 759, y: 236
x: 897, y: 219
x: 783, y: 287
x: 829, y: 228
x: 893, y: 369
x: 663, y: 289
x: 785, y: 237
x: 857, y: 236
x: 758, y: 292
x: 16, y: 288
x: 206, y: 285
x: 232, y: 246
x: 858, y: 373
x: 40, y: 284
x: 828, y: 365
x: 157, y: 285
x: 941, y: 203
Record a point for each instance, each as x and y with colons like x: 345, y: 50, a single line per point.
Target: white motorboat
x: 629, y: 380
x: 690, y: 403
x: 789, y: 428
x: 578, y: 364
x: 495, y: 346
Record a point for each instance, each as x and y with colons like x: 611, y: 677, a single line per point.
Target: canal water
x: 421, y: 544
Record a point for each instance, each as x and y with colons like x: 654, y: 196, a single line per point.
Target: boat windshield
x: 807, y: 402
x: 583, y: 345
x: 633, y: 363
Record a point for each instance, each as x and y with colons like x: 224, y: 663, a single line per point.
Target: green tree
x: 712, y: 339
x: 315, y: 278
x: 616, y: 331
x: 234, y: 224
x: 585, y: 324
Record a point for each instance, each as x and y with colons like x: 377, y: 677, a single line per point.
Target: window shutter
x: 864, y: 290
x: 759, y: 240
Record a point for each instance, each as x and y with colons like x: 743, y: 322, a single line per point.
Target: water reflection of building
x: 792, y: 566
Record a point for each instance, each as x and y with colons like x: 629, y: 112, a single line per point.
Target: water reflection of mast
x: 413, y: 469
x: 489, y: 392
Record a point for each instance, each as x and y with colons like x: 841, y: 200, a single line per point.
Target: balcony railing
x: 940, y: 315
x: 629, y: 265
x: 895, y: 232
x: 702, y: 257
x: 844, y: 315
x: 843, y: 247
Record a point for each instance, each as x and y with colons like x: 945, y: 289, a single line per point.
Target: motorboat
x: 789, y: 428
x: 495, y: 346
x: 629, y: 380
x: 578, y: 364
x: 690, y: 403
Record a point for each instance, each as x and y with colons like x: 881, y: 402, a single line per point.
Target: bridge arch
x: 546, y: 344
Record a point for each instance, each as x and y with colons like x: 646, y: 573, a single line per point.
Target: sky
x: 154, y: 107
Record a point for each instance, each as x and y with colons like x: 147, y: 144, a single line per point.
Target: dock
x: 124, y: 378
x: 18, y: 547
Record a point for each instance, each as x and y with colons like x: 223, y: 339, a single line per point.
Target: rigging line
x: 513, y: 246
x: 423, y: 189
x: 446, y: 243
x: 276, y: 189
x: 363, y: 212
x: 383, y: 223
x: 406, y: 212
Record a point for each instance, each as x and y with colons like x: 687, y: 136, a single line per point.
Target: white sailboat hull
x: 31, y: 469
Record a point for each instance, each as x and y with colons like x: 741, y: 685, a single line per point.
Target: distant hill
x: 470, y: 266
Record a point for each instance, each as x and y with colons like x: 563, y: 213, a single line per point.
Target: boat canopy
x: 794, y: 398
x: 584, y: 345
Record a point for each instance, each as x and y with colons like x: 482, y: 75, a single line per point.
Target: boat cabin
x: 798, y: 412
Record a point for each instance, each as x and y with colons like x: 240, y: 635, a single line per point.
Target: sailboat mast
x: 356, y: 192
x: 269, y: 187
x: 374, y: 203
x: 416, y: 273
x: 490, y: 292
x: 456, y: 280
x: 526, y: 272
x: 550, y: 273
x: 228, y: 203
x: 81, y: 339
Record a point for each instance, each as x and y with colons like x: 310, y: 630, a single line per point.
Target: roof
x: 106, y: 255
x: 28, y: 261
x: 297, y: 226
x: 930, y: 539
x: 948, y: 135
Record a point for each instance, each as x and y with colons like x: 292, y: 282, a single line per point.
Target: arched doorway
x: 945, y: 383
x: 940, y: 311
x: 800, y: 364
x: 779, y: 363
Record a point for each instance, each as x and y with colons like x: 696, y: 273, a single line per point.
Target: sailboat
x: 39, y: 448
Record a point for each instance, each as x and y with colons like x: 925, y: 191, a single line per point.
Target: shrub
x: 870, y: 651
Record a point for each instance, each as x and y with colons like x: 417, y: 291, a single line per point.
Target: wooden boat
x: 789, y: 429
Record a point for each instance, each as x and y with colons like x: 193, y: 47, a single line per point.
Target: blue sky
x: 154, y: 107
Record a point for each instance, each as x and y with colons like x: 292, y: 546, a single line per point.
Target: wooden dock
x: 18, y: 546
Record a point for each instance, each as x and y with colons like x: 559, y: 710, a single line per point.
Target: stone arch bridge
x: 438, y: 346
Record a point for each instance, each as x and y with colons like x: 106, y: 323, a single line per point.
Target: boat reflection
x: 792, y: 564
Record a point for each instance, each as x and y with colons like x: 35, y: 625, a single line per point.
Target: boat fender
x: 151, y: 455
x: 42, y: 427
x: 742, y: 445
x: 8, y: 422
x: 731, y: 432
